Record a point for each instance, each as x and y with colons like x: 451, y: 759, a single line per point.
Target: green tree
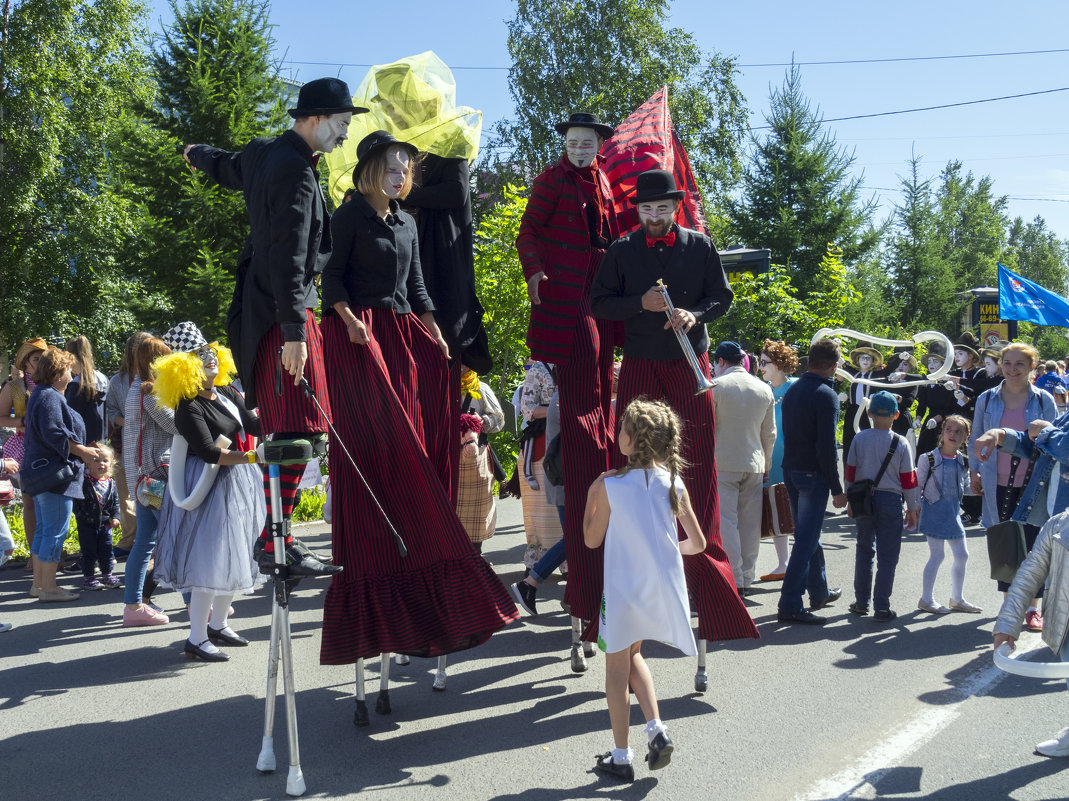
x: 607, y: 57
x: 768, y: 306
x: 921, y: 280
x: 798, y: 194
x: 970, y: 227
x: 70, y: 71
x: 218, y: 84
x: 1035, y: 252
x: 500, y: 286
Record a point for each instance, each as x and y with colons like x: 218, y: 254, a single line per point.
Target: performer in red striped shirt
x: 567, y: 226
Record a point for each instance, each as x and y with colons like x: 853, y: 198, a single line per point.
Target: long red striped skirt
x: 721, y: 613
x: 584, y: 386
x: 292, y: 412
x: 391, y: 411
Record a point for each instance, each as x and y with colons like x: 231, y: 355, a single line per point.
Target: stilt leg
x: 265, y: 762
x: 701, y: 679
x: 578, y: 660
x: 439, y: 675
x: 382, y: 705
x: 360, y: 718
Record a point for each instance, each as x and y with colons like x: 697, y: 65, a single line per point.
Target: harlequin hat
x: 584, y: 120
x: 185, y: 338
x: 323, y: 97
x: 866, y: 349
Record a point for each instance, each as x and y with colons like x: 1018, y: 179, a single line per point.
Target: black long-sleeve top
x: 810, y: 415
x: 374, y: 262
x: 201, y: 420
x: 695, y: 280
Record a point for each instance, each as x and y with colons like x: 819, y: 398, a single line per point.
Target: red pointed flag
x: 647, y: 141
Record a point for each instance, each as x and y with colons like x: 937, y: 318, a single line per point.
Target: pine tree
x: 798, y: 194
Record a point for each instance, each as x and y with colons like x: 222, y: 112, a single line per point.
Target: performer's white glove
x: 949, y: 385
x: 843, y: 397
x: 896, y: 376
x: 931, y: 424
x: 960, y: 397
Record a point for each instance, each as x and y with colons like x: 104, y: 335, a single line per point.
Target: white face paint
x: 961, y: 357
x: 990, y: 367
x: 864, y: 361
x: 934, y: 364
x: 332, y: 131
x: 581, y: 146
x: 209, y: 362
x: 656, y: 217
x: 398, y: 161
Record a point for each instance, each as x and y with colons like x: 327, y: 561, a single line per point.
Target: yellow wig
x: 180, y: 376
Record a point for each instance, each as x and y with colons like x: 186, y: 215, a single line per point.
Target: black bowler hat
x: 656, y: 185
x: 582, y: 120
x: 373, y: 144
x: 323, y: 97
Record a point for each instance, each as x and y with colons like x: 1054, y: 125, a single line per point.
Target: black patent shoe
x: 607, y: 767
x: 220, y: 637
x: 660, y: 751
x: 301, y: 561
x: 197, y: 652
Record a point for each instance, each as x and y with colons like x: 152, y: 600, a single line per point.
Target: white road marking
x: 863, y: 776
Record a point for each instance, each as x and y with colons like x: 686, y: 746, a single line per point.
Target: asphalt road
x: 908, y: 710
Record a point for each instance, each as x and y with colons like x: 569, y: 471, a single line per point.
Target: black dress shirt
x: 695, y: 279
x: 375, y: 262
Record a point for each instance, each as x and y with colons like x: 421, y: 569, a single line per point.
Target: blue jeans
x: 879, y: 538
x: 148, y: 520
x: 809, y: 496
x: 553, y: 558
x: 53, y: 525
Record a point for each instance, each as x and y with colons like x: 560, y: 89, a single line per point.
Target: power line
x: 905, y: 58
x: 897, y: 60
x: 929, y: 108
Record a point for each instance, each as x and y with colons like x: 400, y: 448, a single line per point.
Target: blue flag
x: 1021, y: 299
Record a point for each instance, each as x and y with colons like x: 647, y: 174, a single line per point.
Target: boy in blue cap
x: 882, y: 457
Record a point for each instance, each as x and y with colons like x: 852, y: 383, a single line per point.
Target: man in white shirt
x: 745, y: 436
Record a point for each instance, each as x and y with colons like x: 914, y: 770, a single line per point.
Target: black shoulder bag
x: 1006, y: 545
x: 859, y: 494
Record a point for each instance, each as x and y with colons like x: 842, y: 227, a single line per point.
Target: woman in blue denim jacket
x: 1029, y: 504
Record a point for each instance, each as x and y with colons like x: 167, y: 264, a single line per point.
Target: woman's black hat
x: 583, y: 120
x: 323, y: 97
x: 656, y: 185
x: 373, y: 144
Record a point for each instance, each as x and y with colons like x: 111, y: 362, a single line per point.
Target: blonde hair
x: 109, y: 453
x: 180, y: 376
x: 1024, y: 348
x: 368, y: 178
x: 657, y: 437
x: 961, y: 421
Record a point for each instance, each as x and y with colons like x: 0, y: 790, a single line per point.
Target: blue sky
x: 1022, y: 143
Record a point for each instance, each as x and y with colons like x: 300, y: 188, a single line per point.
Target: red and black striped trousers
x: 710, y: 581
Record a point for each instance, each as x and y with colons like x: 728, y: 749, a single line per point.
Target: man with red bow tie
x: 626, y: 288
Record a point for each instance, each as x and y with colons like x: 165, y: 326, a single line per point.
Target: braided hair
x: 657, y: 437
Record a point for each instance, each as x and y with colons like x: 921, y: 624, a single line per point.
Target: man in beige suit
x: 745, y: 434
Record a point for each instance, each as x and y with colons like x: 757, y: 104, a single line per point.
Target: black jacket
x: 289, y: 240
x: 695, y: 280
x: 441, y: 204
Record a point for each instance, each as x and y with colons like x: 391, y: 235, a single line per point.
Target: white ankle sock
x: 655, y: 727
x: 622, y: 756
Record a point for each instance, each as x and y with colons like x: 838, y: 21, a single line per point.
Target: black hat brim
x: 600, y: 128
x: 377, y: 149
x: 678, y: 194
x: 297, y: 113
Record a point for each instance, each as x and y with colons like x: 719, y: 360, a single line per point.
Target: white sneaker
x: 934, y: 607
x: 1058, y: 747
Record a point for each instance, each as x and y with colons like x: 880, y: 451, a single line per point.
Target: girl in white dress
x: 633, y: 511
